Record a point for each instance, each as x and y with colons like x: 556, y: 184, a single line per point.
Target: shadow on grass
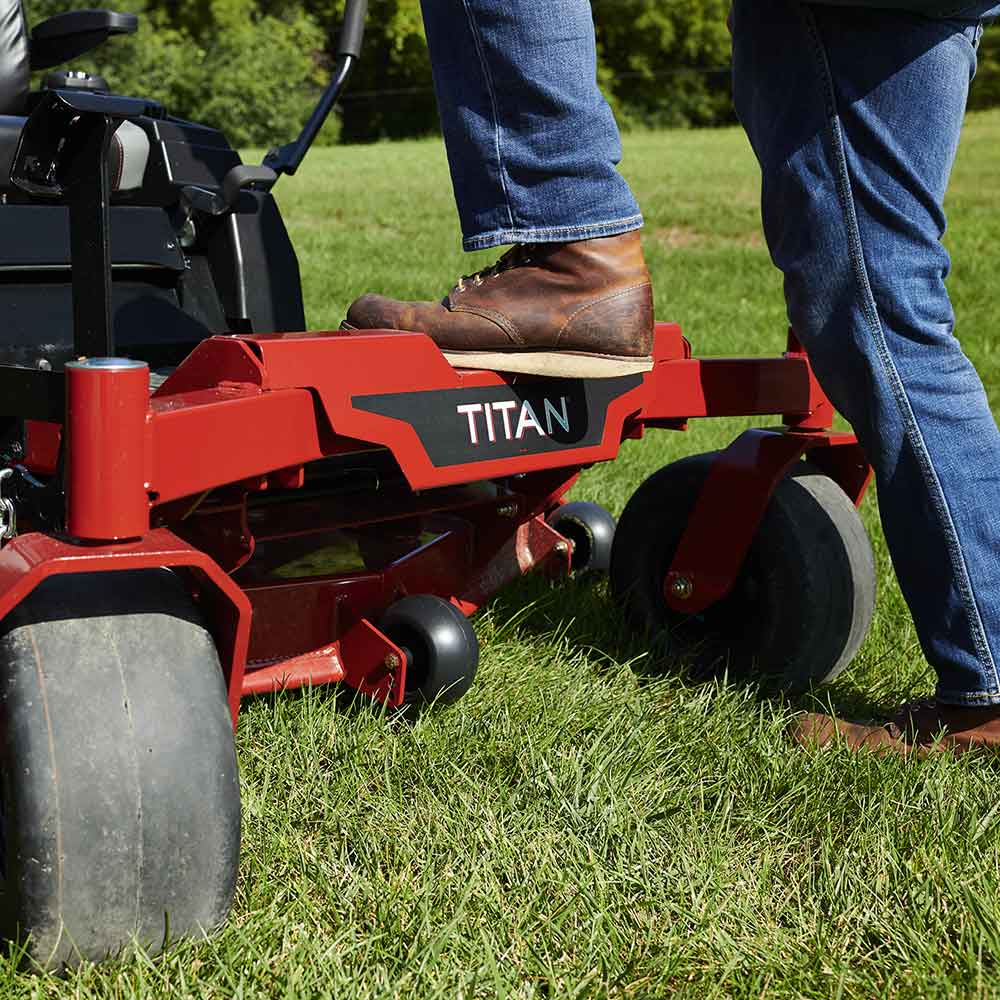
x: 584, y: 616
x: 343, y: 699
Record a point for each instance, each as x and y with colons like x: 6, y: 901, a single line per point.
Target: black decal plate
x: 461, y: 426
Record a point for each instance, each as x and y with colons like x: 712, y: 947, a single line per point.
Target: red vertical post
x: 106, y: 404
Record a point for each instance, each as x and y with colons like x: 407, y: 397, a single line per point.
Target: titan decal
x: 460, y: 426
x: 526, y: 420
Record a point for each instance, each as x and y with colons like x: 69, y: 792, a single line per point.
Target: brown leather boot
x: 576, y: 310
x: 919, y: 727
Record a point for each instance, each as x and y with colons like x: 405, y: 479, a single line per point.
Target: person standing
x: 854, y: 111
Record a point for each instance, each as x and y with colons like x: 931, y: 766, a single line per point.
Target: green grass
x: 578, y: 826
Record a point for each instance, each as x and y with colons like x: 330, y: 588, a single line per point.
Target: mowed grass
x: 583, y: 825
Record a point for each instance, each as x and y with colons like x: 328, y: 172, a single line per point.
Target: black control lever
x: 239, y: 179
x: 353, y: 32
x: 288, y: 158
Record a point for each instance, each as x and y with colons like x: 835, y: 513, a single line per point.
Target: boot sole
x: 554, y: 364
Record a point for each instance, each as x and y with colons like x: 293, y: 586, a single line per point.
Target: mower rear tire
x: 591, y: 529
x: 802, y: 604
x: 442, y: 651
x: 120, y: 790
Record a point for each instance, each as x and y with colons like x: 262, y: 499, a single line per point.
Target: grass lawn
x: 580, y: 826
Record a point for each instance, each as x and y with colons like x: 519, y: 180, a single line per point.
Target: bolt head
x: 393, y: 662
x: 682, y: 588
x: 563, y: 548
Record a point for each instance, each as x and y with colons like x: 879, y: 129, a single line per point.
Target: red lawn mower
x: 202, y: 503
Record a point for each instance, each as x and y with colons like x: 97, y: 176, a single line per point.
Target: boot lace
x: 517, y: 256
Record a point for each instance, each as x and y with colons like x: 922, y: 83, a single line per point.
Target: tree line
x: 255, y: 67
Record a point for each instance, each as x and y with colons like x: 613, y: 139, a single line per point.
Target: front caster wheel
x: 591, y: 529
x: 442, y: 652
x: 120, y: 792
x: 802, y: 604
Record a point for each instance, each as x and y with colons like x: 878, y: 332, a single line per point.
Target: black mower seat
x: 129, y: 153
x: 15, y: 59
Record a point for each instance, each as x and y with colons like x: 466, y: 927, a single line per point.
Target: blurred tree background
x: 255, y: 67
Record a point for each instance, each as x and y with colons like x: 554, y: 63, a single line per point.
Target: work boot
x: 575, y: 310
x: 919, y: 727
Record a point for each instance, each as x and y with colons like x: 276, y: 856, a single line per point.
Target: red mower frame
x: 171, y: 480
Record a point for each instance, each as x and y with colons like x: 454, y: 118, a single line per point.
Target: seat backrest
x: 15, y: 66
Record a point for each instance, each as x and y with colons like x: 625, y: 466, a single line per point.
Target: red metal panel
x: 321, y: 666
x: 821, y: 413
x: 847, y: 466
x: 42, y: 442
x: 106, y: 404
x: 210, y: 438
x: 293, y: 617
x: 216, y: 361
x: 727, y: 387
x: 29, y: 559
x: 239, y: 408
x: 374, y: 664
x: 408, y: 361
x: 519, y: 552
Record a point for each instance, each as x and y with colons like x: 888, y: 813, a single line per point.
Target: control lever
x: 215, y: 203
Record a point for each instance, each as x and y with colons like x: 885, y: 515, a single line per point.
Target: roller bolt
x: 682, y: 588
x: 393, y: 662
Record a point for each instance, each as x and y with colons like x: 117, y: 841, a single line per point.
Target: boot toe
x: 372, y: 312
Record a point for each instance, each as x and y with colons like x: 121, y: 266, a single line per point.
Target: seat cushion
x: 15, y: 68
x: 128, y: 159
x: 129, y: 156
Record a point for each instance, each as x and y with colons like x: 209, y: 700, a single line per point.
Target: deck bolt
x: 562, y: 548
x: 393, y: 662
x: 508, y: 510
x: 682, y: 588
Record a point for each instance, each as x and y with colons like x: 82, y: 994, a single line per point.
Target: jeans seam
x: 491, y: 90
x: 912, y: 429
x: 514, y: 235
x: 975, y: 698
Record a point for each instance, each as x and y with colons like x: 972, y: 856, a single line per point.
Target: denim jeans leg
x: 855, y: 116
x: 531, y: 142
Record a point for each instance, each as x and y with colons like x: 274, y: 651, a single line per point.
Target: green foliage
x: 986, y: 87
x: 664, y: 62
x: 226, y: 63
x: 254, y: 67
x: 395, y: 59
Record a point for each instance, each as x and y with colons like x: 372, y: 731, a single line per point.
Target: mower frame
x: 216, y: 462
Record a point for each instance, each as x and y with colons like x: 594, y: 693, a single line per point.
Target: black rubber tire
x: 591, y: 529
x: 121, y: 798
x: 442, y: 651
x: 803, y: 602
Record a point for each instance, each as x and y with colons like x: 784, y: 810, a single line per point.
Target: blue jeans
x: 855, y: 116
x: 531, y: 142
